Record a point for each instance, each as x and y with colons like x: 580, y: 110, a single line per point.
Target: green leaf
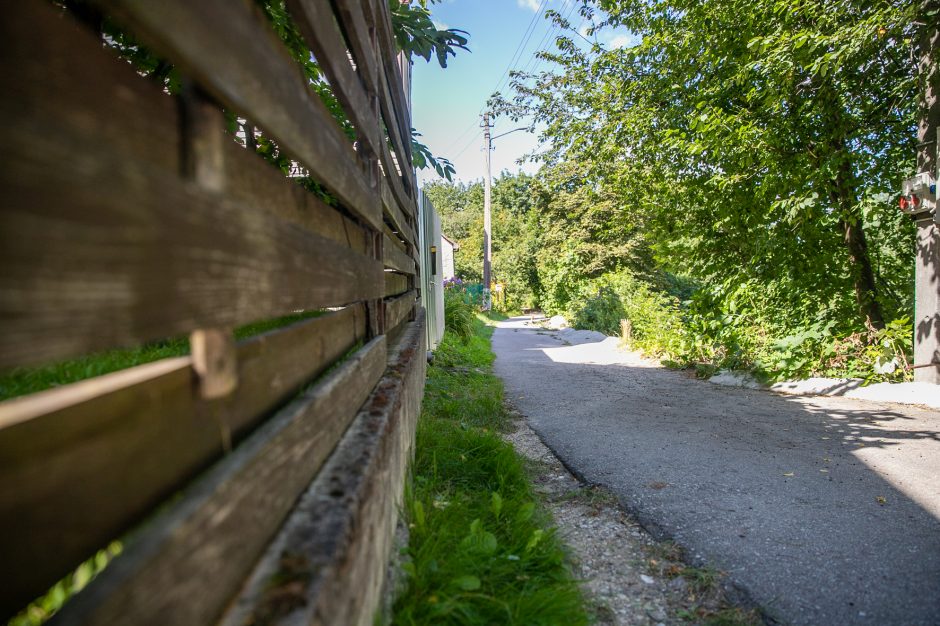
x: 467, y: 582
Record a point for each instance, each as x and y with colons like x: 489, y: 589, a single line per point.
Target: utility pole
x: 487, y: 220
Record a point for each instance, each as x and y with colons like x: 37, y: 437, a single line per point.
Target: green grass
x: 22, y: 381
x: 481, y: 549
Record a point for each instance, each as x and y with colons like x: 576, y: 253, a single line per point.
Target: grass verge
x: 481, y: 550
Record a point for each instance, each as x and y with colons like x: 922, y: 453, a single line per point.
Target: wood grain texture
x: 357, y: 24
x: 228, y: 49
x: 356, y: 28
x: 223, y: 523
x: 405, y: 201
x: 81, y: 463
x: 115, y: 249
x: 330, y: 558
x: 397, y: 259
x: 318, y: 26
x: 122, y: 255
x: 395, y: 215
x: 395, y: 284
x: 254, y: 183
x: 388, y: 52
x: 399, y: 309
x: 401, y: 139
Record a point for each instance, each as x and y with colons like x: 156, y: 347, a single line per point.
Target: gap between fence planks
x: 80, y: 463
x: 224, y: 522
x: 330, y: 558
x: 320, y: 31
x: 389, y: 55
x: 356, y: 26
x: 229, y: 49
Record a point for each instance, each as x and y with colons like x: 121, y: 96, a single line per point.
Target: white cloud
x: 440, y: 25
x: 623, y: 41
x: 532, y: 5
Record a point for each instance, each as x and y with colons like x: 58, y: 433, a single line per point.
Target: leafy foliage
x: 417, y: 34
x: 749, y: 151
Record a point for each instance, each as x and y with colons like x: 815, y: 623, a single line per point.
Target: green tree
x: 763, y: 138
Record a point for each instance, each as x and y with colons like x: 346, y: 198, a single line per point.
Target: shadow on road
x: 826, y: 510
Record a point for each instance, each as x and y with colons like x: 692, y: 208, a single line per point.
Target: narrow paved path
x: 825, y: 510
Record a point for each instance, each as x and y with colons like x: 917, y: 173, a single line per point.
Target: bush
x: 458, y: 314
x: 601, y: 312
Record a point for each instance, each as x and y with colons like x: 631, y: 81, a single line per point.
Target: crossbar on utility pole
x: 487, y: 219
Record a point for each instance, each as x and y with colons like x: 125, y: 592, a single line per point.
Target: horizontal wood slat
x: 331, y: 556
x: 321, y: 33
x: 355, y: 26
x: 388, y: 52
x: 82, y: 462
x: 405, y: 202
x: 224, y: 522
x: 395, y: 215
x: 130, y: 215
x: 129, y: 256
x: 226, y: 46
x: 395, y: 284
x: 402, y: 150
x: 253, y: 182
x: 115, y: 244
x: 399, y: 309
x: 396, y: 259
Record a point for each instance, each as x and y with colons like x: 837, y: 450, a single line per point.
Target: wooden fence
x: 249, y: 482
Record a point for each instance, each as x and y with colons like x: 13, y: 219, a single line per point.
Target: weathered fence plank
x: 160, y: 258
x: 400, y: 112
x: 119, y: 234
x: 398, y: 260
x: 130, y: 215
x: 254, y: 183
x: 356, y: 26
x: 224, y: 522
x: 331, y: 556
x: 80, y: 463
x: 396, y: 216
x: 226, y: 47
x: 399, y: 309
x: 321, y: 33
x: 395, y: 284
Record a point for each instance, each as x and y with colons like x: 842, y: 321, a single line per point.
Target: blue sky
x: 446, y: 103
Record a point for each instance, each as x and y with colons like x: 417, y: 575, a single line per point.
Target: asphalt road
x: 824, y: 510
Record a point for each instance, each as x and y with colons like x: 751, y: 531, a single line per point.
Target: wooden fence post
x: 203, y: 161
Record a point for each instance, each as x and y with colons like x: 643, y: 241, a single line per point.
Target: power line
x: 475, y: 137
x: 530, y: 29
x: 463, y: 134
x: 549, y: 38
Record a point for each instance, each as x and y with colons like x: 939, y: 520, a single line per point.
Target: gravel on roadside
x: 628, y: 577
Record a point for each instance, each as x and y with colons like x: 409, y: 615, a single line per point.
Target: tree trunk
x: 863, y: 276
x: 844, y: 196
